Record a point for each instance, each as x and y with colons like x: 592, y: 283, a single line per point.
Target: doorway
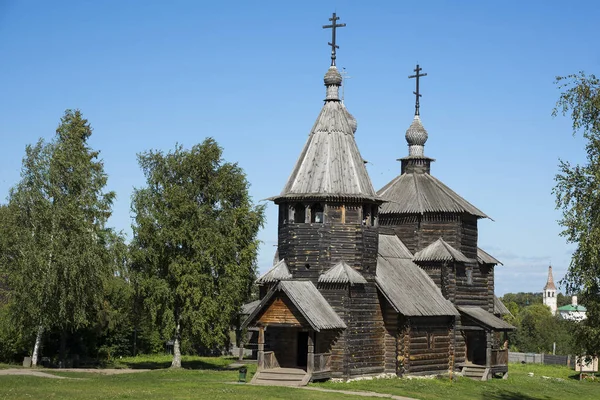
x: 476, y: 347
x: 302, y: 353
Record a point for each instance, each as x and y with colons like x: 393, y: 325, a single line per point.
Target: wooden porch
x: 270, y: 372
x: 496, y: 365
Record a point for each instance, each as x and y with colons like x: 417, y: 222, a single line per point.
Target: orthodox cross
x: 417, y: 94
x: 332, y: 43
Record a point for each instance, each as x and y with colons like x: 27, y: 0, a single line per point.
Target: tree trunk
x: 36, y: 347
x: 63, y: 347
x: 176, y: 350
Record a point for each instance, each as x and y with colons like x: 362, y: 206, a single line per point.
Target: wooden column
x: 261, y: 347
x: 310, y: 361
x: 488, y: 349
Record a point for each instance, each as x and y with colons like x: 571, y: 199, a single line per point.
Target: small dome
x: 333, y: 77
x: 351, y: 120
x: 416, y: 135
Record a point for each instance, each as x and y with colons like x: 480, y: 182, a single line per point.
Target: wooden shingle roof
x: 342, y: 273
x: 330, y: 164
x: 440, y: 251
x: 484, y: 257
x: 486, y: 319
x: 420, y: 193
x: 278, y: 272
x: 307, y: 300
x: 405, y: 285
x: 500, y: 308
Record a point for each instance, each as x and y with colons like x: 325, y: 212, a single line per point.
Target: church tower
x: 550, y: 292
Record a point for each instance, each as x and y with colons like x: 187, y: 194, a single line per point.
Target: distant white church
x: 550, y: 292
x: 573, y: 311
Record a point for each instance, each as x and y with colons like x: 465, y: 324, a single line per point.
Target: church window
x: 299, y: 213
x: 316, y: 214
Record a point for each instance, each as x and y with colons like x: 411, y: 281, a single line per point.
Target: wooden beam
x: 310, y: 361
x: 261, y: 347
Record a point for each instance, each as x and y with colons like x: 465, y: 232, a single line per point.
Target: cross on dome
x: 333, y: 27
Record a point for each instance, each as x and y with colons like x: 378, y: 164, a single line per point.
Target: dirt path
x: 47, y: 373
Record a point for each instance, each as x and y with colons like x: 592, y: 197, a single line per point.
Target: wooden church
x: 370, y: 282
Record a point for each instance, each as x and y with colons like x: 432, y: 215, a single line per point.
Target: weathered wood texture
x: 365, y: 332
x: 428, y: 344
x: 334, y: 342
x: 390, y: 321
x: 281, y: 311
x: 311, y: 249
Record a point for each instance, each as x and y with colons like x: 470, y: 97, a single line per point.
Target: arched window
x: 316, y: 214
x: 299, y: 213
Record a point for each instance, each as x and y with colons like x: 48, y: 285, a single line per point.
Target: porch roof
x: 307, y: 300
x: 488, y: 320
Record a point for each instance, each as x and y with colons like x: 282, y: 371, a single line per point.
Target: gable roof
x: 249, y: 307
x: 342, y: 273
x: 330, y: 164
x: 307, y: 300
x: 440, y: 251
x: 485, y: 318
x: 278, y: 272
x: 485, y: 258
x: 419, y: 193
x: 500, y: 308
x: 405, y: 285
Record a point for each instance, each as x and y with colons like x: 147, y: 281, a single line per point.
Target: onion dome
x: 416, y: 136
x: 333, y: 77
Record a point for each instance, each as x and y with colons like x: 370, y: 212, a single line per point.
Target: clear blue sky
x: 148, y: 74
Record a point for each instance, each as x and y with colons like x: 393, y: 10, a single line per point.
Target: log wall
x: 427, y: 344
x: 390, y: 322
x: 311, y: 249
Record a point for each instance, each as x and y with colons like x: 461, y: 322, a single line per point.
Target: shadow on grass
x: 193, y: 364
x: 510, y: 395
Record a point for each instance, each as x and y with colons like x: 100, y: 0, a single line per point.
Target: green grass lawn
x: 209, y: 378
x: 563, y: 384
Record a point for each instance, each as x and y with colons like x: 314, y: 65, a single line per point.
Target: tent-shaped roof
x: 440, y: 251
x: 484, y: 318
x: 420, y: 193
x: 485, y: 258
x: 278, y: 272
x: 550, y: 283
x: 330, y: 165
x: 405, y: 285
x: 307, y: 300
x: 342, y: 273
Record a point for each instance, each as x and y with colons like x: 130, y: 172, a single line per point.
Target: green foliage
x: 194, y: 246
x: 578, y: 198
x: 58, y: 252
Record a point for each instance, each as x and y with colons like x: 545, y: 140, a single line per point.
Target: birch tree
x: 195, y: 245
x: 578, y: 197
x: 59, y: 251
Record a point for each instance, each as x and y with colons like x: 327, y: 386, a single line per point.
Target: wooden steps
x: 281, y: 377
x: 476, y: 372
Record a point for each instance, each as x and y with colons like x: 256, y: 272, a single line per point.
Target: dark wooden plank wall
x: 311, y: 249
x: 476, y: 293
x: 488, y: 269
x: 337, y: 295
x: 390, y: 322
x: 429, y: 344
x: 365, y: 331
x: 468, y: 236
x: 405, y: 227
